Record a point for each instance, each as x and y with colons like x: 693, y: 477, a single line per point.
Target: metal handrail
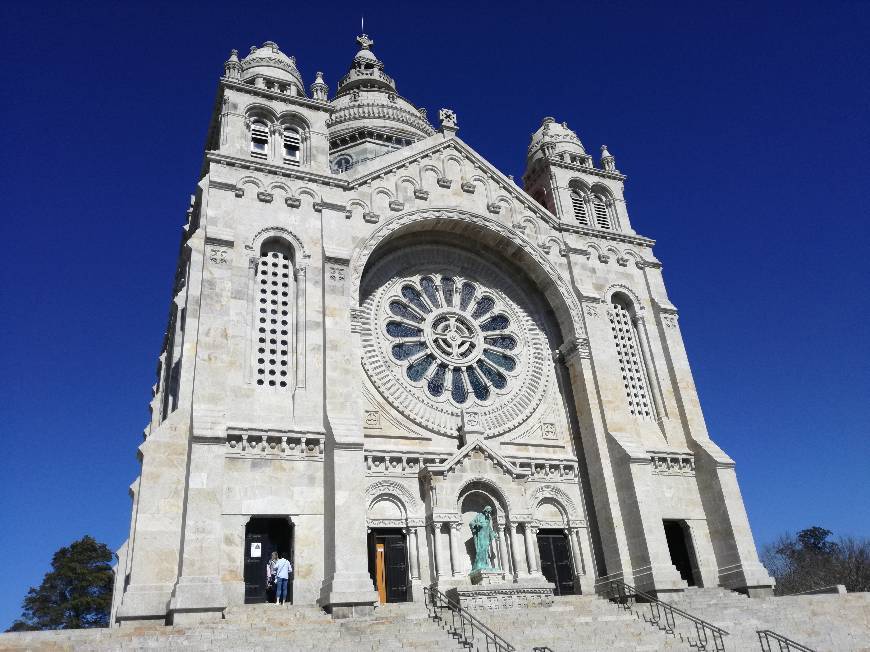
x: 463, y: 626
x: 662, y: 616
x: 784, y: 644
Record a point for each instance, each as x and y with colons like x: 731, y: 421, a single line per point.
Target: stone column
x: 453, y: 533
x: 440, y: 571
x: 649, y: 364
x: 347, y: 587
x: 515, y: 548
x: 593, y: 438
x: 531, y: 559
x: 412, y: 552
x: 499, y: 550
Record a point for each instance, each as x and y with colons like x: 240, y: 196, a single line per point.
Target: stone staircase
x: 577, y: 623
x: 255, y: 628
x: 821, y: 622
x: 572, y: 624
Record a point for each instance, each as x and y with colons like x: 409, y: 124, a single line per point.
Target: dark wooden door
x: 556, y: 561
x: 263, y: 536
x: 388, y: 564
x: 396, y: 563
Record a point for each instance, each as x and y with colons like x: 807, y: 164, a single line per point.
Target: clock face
x: 446, y: 333
x: 342, y: 164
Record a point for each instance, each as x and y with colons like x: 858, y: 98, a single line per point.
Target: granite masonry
x: 374, y: 334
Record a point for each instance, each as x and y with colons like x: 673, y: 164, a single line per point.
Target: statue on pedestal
x: 484, y: 534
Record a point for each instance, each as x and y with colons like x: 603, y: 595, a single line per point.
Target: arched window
x: 274, y: 315
x: 578, y: 201
x: 630, y: 355
x: 292, y: 146
x: 259, y: 139
x: 602, y: 215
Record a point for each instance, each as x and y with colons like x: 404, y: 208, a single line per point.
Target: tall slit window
x: 259, y: 139
x: 602, y: 215
x: 578, y: 201
x: 631, y: 363
x: 274, y: 316
x: 292, y: 146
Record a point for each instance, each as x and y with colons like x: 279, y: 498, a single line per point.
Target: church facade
x: 375, y: 335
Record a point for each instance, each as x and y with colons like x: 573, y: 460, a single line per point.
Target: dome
x: 366, y: 99
x: 269, y: 61
x: 556, y: 138
x: 366, y: 71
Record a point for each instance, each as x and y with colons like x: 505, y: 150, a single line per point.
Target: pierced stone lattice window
x: 630, y: 360
x: 259, y: 140
x: 292, y: 146
x: 578, y: 201
x: 602, y: 216
x: 273, y: 318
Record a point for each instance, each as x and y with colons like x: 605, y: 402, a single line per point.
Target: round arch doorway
x: 263, y: 536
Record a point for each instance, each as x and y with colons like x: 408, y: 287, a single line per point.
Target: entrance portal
x: 263, y: 536
x: 680, y: 547
x: 388, y: 564
x: 556, y: 560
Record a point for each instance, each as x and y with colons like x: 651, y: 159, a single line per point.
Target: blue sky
x: 743, y: 128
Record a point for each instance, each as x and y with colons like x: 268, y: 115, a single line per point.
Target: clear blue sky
x: 743, y: 128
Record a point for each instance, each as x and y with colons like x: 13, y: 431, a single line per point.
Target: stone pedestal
x: 487, y: 577
x: 492, y: 593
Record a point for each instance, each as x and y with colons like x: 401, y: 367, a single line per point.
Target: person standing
x: 270, y: 576
x: 282, y: 573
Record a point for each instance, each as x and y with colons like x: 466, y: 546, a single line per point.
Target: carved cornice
x: 378, y: 111
x: 257, y: 91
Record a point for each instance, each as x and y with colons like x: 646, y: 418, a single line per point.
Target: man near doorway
x: 282, y: 573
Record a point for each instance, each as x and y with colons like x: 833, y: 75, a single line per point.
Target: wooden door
x: 396, y: 562
x: 380, y: 572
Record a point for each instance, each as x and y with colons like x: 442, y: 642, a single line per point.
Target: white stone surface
x: 311, y: 412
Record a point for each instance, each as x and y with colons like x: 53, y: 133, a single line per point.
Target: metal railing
x: 460, y: 624
x: 765, y: 636
x: 663, y: 615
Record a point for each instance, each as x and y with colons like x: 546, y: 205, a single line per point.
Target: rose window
x: 454, y: 338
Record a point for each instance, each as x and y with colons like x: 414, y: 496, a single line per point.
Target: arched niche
x: 473, y: 498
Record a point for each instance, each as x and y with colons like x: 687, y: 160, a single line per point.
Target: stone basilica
x: 374, y: 335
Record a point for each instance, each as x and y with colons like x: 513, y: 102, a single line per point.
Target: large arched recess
x: 481, y: 234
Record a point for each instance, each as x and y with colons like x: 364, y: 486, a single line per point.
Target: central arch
x: 485, y: 231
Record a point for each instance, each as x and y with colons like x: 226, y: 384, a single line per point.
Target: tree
x: 75, y: 593
x: 809, y: 561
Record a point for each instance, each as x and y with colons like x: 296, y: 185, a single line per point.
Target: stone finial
x: 607, y: 160
x: 422, y: 111
x: 319, y: 89
x: 232, y: 67
x: 364, y: 41
x: 448, y: 119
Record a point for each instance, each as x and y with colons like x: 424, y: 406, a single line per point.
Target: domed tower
x: 267, y: 67
x: 562, y: 177
x: 370, y: 117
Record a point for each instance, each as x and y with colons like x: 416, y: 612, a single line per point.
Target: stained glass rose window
x: 452, y: 336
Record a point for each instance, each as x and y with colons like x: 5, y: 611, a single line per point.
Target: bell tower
x: 563, y: 178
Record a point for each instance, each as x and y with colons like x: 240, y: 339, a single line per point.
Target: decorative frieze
x: 549, y: 470
x: 289, y: 446
x: 399, y: 464
x: 673, y: 464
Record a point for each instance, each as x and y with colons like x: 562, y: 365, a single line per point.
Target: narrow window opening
x: 259, y: 140
x: 579, y: 204
x: 631, y: 365
x: 292, y: 146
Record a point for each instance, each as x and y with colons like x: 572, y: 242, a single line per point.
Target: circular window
x: 440, y: 342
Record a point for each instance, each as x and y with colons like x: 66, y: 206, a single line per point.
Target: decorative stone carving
x: 371, y: 218
x: 444, y: 182
x: 468, y: 186
x: 673, y: 464
x: 265, y: 197
x: 372, y: 419
x: 293, y: 202
x: 447, y: 118
x: 421, y: 194
x: 437, y: 342
x: 396, y: 205
x: 548, y: 430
